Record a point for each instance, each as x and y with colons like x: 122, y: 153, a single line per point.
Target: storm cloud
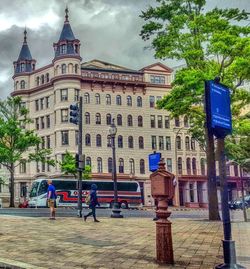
x: 108, y: 30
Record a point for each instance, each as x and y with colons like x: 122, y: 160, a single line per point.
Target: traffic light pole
x: 80, y: 167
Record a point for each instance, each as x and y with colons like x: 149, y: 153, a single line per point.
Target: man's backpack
x: 87, y: 199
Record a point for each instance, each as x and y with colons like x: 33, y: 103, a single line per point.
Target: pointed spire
x: 25, y: 51
x: 25, y: 36
x: 66, y: 14
x: 67, y: 33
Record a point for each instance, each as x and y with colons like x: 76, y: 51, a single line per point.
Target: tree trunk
x: 12, y: 190
x: 211, y: 179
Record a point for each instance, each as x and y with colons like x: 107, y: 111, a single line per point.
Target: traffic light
x: 74, y: 114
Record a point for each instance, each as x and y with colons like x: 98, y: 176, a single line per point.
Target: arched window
x: 99, y: 165
x: 76, y: 68
x: 87, y: 140
x: 86, y: 98
x: 178, y: 142
x: 121, y: 166
x: 22, y: 84
x: 98, y: 140
x: 98, y: 118
x: 130, y: 120
x: 108, y: 99
x: 110, y: 165
x: 87, y: 118
x: 129, y: 100
x: 109, y: 144
x: 42, y: 79
x: 187, y: 142
x: 188, y: 166
x: 139, y: 101
x: 140, y: 121
x: 186, y: 123
x: 177, y: 122
x: 37, y: 81
x: 119, y: 120
x: 194, y: 166
x: 120, y: 141
x: 119, y: 100
x: 88, y: 161
x: 108, y: 119
x: 236, y: 173
x: 132, y: 166
x: 97, y: 99
x: 142, y: 166
x: 63, y: 68
x: 203, y: 168
x: 141, y: 142
x: 179, y: 163
x: 47, y: 77
x: 130, y: 142
x: 192, y: 143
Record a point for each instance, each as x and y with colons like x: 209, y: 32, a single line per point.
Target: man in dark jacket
x: 93, y: 203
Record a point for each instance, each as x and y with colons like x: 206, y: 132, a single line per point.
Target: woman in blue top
x: 51, y: 197
x: 93, y: 203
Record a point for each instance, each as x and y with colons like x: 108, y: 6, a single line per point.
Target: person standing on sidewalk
x: 93, y: 203
x: 51, y: 197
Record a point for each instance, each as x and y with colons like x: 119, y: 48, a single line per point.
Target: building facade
x: 109, y: 91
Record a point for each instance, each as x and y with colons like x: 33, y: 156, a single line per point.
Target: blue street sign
x: 153, y: 160
x: 218, y: 109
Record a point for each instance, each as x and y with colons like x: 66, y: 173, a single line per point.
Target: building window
x: 157, y: 79
x: 168, y: 143
x: 76, y: 65
x: 77, y: 138
x: 63, y: 49
x: 42, y: 103
x: 42, y: 123
x: 139, y: 101
x: 178, y: 142
x: 47, y: 77
x: 187, y: 143
x: 43, y: 142
x: 22, y: 67
x: 88, y: 161
x: 110, y: 165
x: 23, y: 189
x: 65, y: 137
x: 191, y: 192
x: 109, y: 144
x: 130, y: 120
x: 86, y: 98
x: 76, y: 95
x: 48, y: 141
x: 120, y: 141
x: 192, y: 143
x: 64, y: 95
x: 37, y: 123
x: 152, y: 121
x: 159, y: 121
x: 47, y: 101
x: 108, y: 119
x: 179, y: 164
x: 99, y: 165
x: 119, y: 120
x: 42, y: 79
x: 169, y: 164
x: 129, y: 100
x: 98, y: 118
x: 186, y: 123
x: 37, y: 81
x: 141, y: 142
x: 203, y: 169
x: 188, y: 166
x: 140, y: 121
x: 64, y: 115
x: 132, y: 166
x: 121, y: 166
x: 108, y: 99
x: 48, y: 165
x: 167, y: 122
x: 177, y: 122
x: 151, y: 101
x: 97, y: 99
x: 142, y: 166
x: 48, y: 121
x: 119, y: 100
x: 236, y: 173
x: 98, y: 140
x: 22, y: 84
x: 228, y: 169
x: 22, y: 166
x: 161, y: 143
x: 130, y: 142
x: 87, y: 118
x: 63, y: 68
x: 37, y: 105
x: 194, y: 166
x: 87, y: 140
x: 153, y: 142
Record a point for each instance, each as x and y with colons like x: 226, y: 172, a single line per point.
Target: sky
x: 108, y: 30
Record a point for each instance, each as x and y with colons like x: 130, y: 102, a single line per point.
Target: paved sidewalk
x: 37, y: 243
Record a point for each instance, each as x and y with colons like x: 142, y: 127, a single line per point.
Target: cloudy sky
x: 108, y: 30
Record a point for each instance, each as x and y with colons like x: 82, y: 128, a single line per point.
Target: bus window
x: 64, y: 185
x: 34, y: 189
x: 124, y: 186
x: 43, y: 187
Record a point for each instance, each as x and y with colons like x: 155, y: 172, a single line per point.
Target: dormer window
x: 63, y: 49
x: 76, y: 48
x: 22, y: 67
x: 157, y: 79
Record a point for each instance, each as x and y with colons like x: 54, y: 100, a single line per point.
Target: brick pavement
x: 37, y: 243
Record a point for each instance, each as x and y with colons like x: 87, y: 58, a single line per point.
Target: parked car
x: 238, y: 203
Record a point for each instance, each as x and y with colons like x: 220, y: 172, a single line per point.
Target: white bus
x: 129, y: 193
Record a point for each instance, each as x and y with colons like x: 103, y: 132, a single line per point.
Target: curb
x: 12, y: 264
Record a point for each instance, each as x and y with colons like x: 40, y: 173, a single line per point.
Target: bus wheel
x: 124, y: 205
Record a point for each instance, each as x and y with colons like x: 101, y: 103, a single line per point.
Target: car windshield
x: 34, y: 189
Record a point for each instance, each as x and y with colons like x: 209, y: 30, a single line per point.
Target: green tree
x: 16, y: 142
x: 211, y: 44
x: 68, y: 167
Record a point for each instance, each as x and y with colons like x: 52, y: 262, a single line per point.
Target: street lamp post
x: 116, y: 212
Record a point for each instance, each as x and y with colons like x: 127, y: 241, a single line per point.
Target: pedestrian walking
x: 51, y: 197
x: 93, y: 203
